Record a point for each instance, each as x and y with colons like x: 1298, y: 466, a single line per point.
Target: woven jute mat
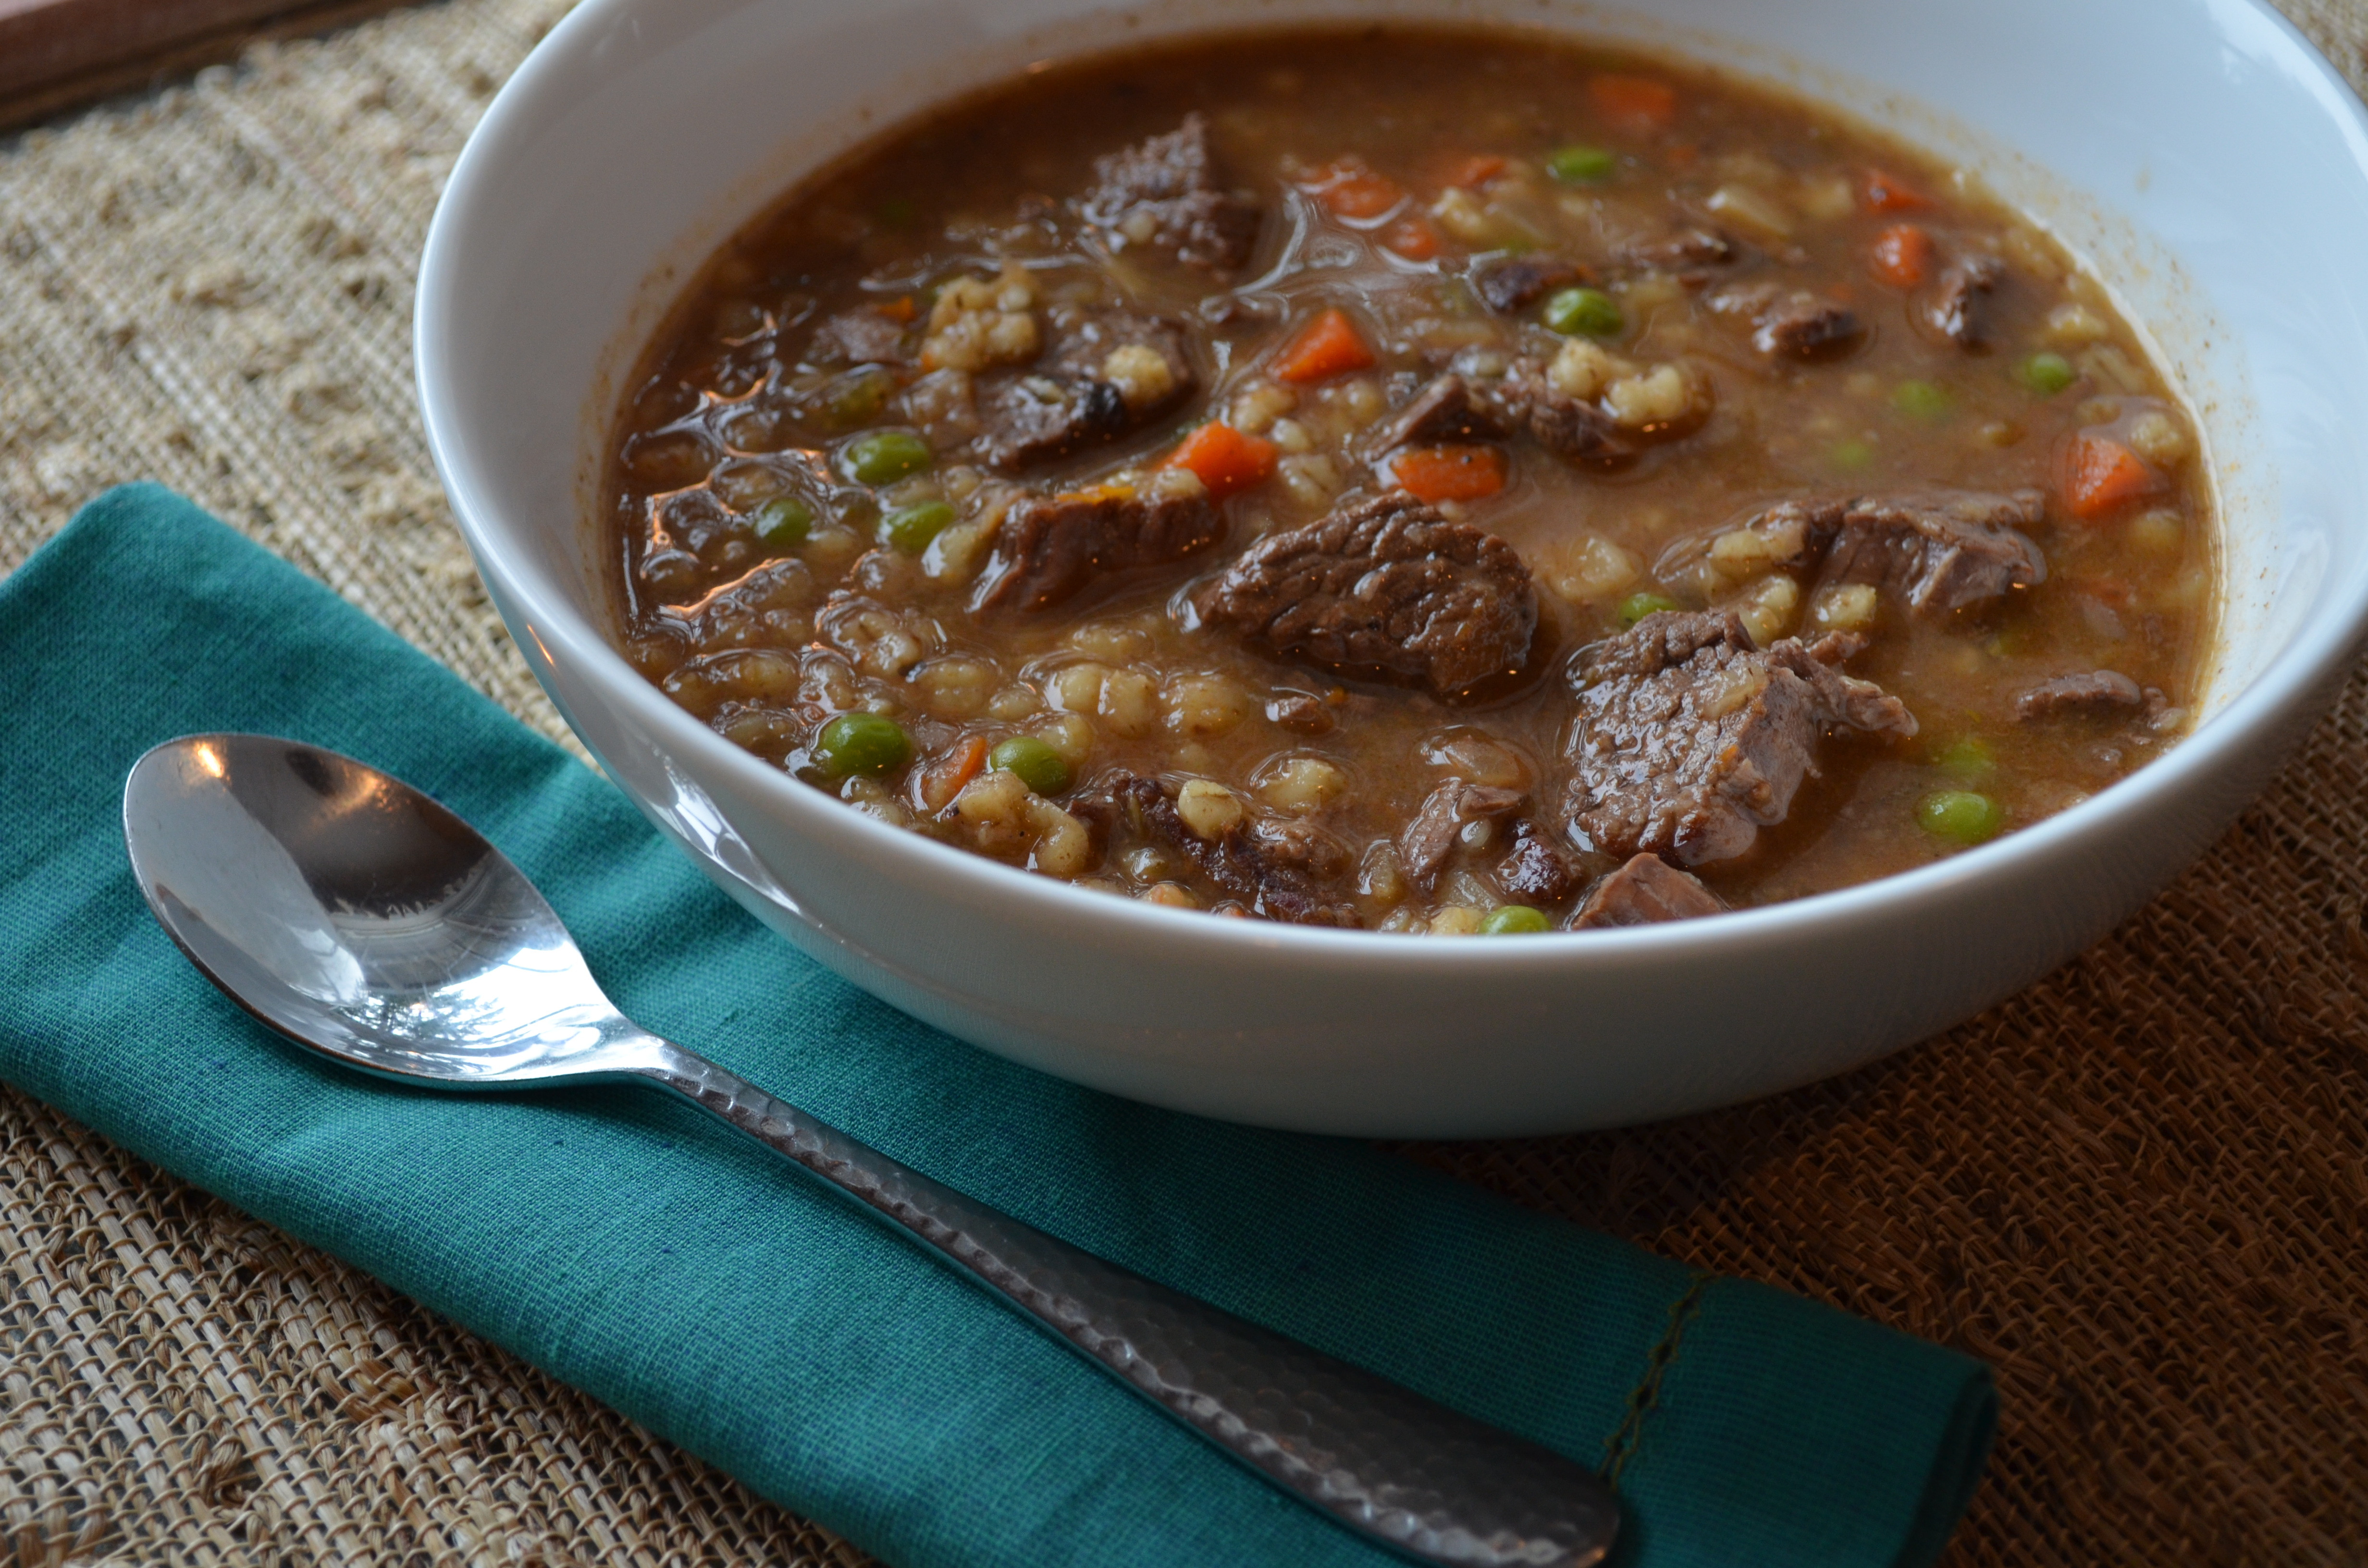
x: 2139, y: 1189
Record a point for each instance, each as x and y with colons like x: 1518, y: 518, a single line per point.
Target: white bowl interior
x: 644, y: 132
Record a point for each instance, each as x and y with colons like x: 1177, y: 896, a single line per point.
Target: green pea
x: 1636, y: 606
x: 1967, y: 760
x: 862, y: 743
x: 1039, y: 768
x: 1514, y: 920
x: 1852, y: 456
x: 896, y: 213
x: 2046, y: 374
x: 1588, y: 310
x: 1922, y: 400
x: 884, y: 457
x: 1582, y: 165
x: 1961, y: 816
x: 858, y: 397
x: 910, y: 528
x: 784, y: 521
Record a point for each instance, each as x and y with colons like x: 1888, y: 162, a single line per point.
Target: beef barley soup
x: 1425, y: 480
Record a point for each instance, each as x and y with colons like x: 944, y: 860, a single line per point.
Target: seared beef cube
x: 1685, y: 250
x: 1955, y: 309
x: 1109, y: 373
x: 2099, y: 692
x: 860, y: 337
x: 1941, y: 550
x: 1792, y: 325
x: 1938, y: 550
x: 1049, y: 548
x: 1507, y: 284
x: 1163, y: 195
x: 1805, y: 327
x: 1280, y: 872
x: 1533, y: 871
x: 1527, y: 400
x: 1036, y: 419
x: 1387, y: 585
x: 1085, y: 342
x: 1689, y: 740
x: 1444, y: 411
x: 1647, y: 890
x: 1446, y: 814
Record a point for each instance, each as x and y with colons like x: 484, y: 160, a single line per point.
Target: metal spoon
x: 360, y: 917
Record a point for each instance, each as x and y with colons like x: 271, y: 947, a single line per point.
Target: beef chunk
x: 1511, y: 283
x: 1955, y: 309
x: 1084, y: 340
x: 1685, y: 250
x: 1793, y: 325
x: 1036, y: 419
x: 1163, y: 195
x: 1805, y: 327
x: 1439, y: 826
x: 1689, y: 740
x: 1048, y: 548
x: 1300, y: 713
x: 1645, y: 892
x: 1527, y: 400
x: 1444, y: 411
x: 1533, y: 871
x: 1387, y: 585
x: 1277, y: 872
x: 1106, y: 374
x: 2099, y: 692
x: 1939, y: 549
x: 860, y: 337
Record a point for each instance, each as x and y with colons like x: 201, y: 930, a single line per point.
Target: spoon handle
x: 1412, y: 1475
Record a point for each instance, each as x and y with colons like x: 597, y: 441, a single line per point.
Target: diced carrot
x: 1448, y: 473
x: 2101, y: 475
x: 1348, y: 189
x: 901, y: 308
x: 1225, y: 459
x: 1413, y: 239
x: 1638, y: 103
x: 942, y: 780
x: 1902, y: 255
x: 1475, y: 171
x: 1883, y: 192
x: 1328, y: 346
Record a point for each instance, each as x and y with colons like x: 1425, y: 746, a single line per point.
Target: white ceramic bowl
x: 2217, y: 174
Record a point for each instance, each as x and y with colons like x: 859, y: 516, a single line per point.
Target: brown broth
x: 734, y: 410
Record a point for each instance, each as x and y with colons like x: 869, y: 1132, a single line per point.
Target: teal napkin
x: 691, y: 1279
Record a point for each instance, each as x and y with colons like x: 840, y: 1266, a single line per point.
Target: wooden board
x: 56, y: 54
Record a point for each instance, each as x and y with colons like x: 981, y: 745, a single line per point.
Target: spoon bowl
x: 360, y: 917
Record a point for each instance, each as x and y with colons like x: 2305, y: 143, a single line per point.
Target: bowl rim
x: 2322, y: 644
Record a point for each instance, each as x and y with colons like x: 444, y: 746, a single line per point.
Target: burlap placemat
x: 2140, y: 1189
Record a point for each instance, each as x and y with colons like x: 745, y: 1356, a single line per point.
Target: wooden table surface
x: 57, y: 53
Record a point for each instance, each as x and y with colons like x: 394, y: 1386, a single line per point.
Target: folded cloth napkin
x: 692, y: 1279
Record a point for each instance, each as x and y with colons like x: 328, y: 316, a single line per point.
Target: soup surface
x: 1426, y: 480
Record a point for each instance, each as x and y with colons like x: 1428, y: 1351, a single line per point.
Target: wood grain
x: 56, y: 54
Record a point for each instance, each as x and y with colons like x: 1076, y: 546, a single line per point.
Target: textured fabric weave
x: 690, y: 1277
x: 2139, y: 1189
